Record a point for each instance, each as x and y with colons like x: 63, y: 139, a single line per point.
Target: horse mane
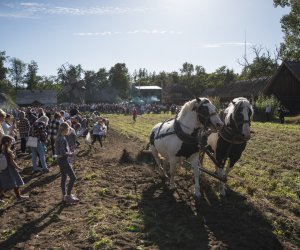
x: 234, y: 104
x: 187, y: 107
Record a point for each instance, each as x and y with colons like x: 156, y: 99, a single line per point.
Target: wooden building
x: 285, y: 85
x: 36, y: 97
x: 250, y: 89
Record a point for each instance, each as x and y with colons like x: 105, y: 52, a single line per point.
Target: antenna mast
x: 245, y: 49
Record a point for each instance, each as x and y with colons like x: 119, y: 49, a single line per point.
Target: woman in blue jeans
x: 39, y: 130
x: 63, y: 153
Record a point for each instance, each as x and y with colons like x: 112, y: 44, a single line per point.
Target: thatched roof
x: 247, y: 88
x: 6, y: 102
x: 36, y: 97
x: 177, y: 94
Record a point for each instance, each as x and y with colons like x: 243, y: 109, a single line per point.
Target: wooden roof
x: 43, y: 97
x: 177, y: 93
x: 292, y: 66
x: 246, y: 88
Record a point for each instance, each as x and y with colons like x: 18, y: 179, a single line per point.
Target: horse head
x: 207, y: 114
x: 238, y: 117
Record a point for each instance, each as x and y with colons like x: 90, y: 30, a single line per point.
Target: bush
x: 260, y: 105
x: 215, y: 101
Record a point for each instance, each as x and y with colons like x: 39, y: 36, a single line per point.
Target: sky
x: 159, y: 35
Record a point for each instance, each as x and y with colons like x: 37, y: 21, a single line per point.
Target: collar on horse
x: 186, y: 138
x: 229, y: 134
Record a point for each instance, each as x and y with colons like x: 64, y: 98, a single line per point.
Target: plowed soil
x: 126, y: 205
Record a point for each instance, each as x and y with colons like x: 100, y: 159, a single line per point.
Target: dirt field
x: 127, y: 206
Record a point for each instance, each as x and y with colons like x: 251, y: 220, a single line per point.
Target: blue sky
x: 153, y: 34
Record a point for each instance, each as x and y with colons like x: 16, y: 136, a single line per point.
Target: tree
x: 119, y: 80
x: 221, y: 77
x: 187, y: 69
x: 17, y: 71
x: 262, y: 65
x: 31, y: 77
x: 290, y: 48
x: 3, y: 69
x: 96, y: 85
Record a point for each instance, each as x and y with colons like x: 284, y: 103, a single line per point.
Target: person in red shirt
x: 134, y: 114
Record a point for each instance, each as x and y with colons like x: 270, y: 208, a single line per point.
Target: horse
x: 231, y: 140
x: 176, y: 139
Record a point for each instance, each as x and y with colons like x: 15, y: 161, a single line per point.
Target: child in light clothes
x: 99, y: 130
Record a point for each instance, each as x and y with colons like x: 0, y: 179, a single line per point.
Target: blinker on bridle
x: 237, y: 124
x: 206, y: 118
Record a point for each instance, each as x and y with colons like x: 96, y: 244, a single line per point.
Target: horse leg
x: 222, y: 184
x: 172, y: 174
x: 157, y: 160
x: 196, y: 171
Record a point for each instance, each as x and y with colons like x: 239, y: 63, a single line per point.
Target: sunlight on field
x: 268, y: 170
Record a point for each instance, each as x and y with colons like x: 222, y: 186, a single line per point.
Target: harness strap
x: 186, y: 138
x: 228, y: 135
x: 158, y: 136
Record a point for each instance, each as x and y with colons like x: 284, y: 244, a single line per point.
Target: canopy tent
x: 136, y: 100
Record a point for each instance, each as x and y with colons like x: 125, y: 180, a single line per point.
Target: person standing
x: 268, y: 112
x: 63, y: 153
x: 39, y: 130
x: 24, y: 127
x: 53, y: 129
x: 134, y: 114
x: 9, y: 177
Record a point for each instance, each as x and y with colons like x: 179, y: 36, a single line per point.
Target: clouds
x: 222, y: 45
x: 132, y: 32
x: 34, y: 10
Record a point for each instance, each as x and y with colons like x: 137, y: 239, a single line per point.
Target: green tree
x: 3, y: 69
x: 187, y: 69
x: 96, y: 84
x: 17, y: 71
x: 221, y: 77
x: 290, y: 23
x: 119, y: 80
x: 31, y: 77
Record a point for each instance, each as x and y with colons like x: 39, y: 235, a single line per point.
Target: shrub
x: 260, y: 105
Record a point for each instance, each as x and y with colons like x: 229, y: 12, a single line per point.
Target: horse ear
x: 198, y: 99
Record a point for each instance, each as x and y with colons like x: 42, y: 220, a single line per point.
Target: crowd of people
x: 53, y: 132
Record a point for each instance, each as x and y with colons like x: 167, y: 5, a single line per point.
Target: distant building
x: 177, y: 94
x: 246, y: 88
x: 36, y: 97
x: 148, y: 94
x: 285, y: 85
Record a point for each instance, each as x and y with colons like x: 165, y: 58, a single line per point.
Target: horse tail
x: 151, y: 139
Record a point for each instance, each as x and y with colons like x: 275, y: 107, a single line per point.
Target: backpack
x: 3, y: 162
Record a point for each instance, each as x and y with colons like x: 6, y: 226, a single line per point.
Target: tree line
x: 115, y: 83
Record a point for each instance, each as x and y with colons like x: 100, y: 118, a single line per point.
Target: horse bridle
x: 206, y: 119
x: 244, y: 121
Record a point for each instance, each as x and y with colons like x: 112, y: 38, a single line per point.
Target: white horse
x: 177, y: 139
x: 231, y: 140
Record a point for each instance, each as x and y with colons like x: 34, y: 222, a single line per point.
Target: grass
x: 268, y: 169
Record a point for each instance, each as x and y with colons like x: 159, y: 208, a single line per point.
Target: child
x: 72, y: 142
x: 99, y: 130
x: 9, y: 177
x: 63, y: 152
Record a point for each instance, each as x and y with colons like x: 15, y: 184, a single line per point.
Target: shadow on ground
x: 172, y: 221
